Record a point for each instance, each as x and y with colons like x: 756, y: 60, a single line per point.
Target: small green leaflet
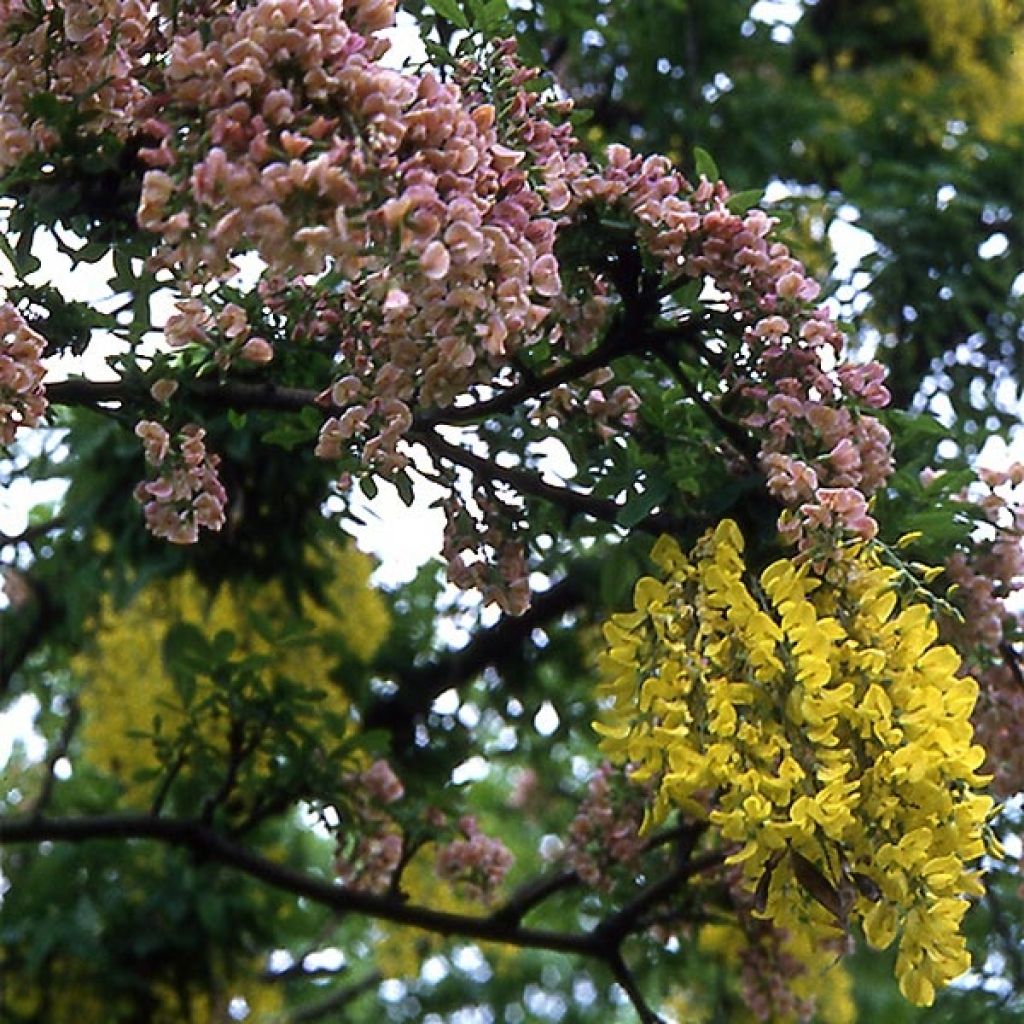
x: 451, y: 11
x: 705, y: 164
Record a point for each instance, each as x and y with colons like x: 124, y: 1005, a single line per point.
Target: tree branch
x: 59, y: 750
x: 525, y: 482
x: 238, y: 394
x: 337, y: 1000
x: 622, y: 338
x: 532, y: 894
x: 602, y: 943
x: 210, y: 844
x: 625, y: 978
x: 420, y: 685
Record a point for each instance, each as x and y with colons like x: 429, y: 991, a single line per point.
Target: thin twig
x: 531, y: 894
x: 627, y: 982
x: 60, y: 750
x: 337, y: 1000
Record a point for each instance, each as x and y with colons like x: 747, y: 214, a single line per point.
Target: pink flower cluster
x: 88, y: 53
x: 605, y: 832
x: 822, y: 453
x: 482, y: 553
x: 434, y: 207
x: 477, y: 863
x: 989, y: 583
x: 22, y: 395
x: 187, y: 493
x: 226, y: 332
x: 371, y: 852
x: 321, y: 158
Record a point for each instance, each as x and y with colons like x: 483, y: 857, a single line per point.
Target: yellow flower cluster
x: 823, y: 733
x: 124, y: 682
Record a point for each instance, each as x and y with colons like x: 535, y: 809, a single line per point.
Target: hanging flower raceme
x: 187, y: 493
x: 22, y: 396
x: 819, y: 728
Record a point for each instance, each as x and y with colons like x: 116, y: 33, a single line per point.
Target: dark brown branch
x: 732, y: 432
x: 614, y: 929
x: 528, y: 483
x: 237, y: 394
x: 602, y: 943
x: 245, y: 395
x: 620, y: 339
x: 532, y: 894
x: 210, y: 844
x: 627, y: 982
x: 419, y: 686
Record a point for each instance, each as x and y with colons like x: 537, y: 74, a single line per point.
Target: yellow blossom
x: 124, y: 681
x: 816, y: 724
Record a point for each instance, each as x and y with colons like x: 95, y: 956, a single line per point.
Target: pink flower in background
x: 476, y: 862
x: 22, y: 394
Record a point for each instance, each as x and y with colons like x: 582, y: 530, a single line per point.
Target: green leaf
x: 451, y: 11
x: 640, y: 505
x: 490, y: 16
x: 705, y: 164
x: 743, y: 201
x: 403, y: 484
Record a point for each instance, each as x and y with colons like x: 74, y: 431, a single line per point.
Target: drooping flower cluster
x: 370, y: 846
x: 824, y: 455
x: 187, y: 493
x: 83, y: 53
x: 987, y: 585
x: 819, y: 727
x: 435, y: 208
x: 22, y: 395
x: 604, y: 833
x: 478, y: 863
x: 775, y: 984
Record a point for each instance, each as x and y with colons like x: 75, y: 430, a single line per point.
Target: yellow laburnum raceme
x: 124, y: 681
x: 819, y: 727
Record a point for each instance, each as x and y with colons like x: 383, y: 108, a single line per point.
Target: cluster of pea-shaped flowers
x: 821, y: 730
x: 476, y: 862
x: 186, y: 493
x: 603, y: 837
x: 22, y: 396
x: 987, y: 582
x: 85, y: 53
x: 275, y: 128
x: 781, y: 356
x: 370, y: 846
x: 438, y: 221
x: 373, y: 847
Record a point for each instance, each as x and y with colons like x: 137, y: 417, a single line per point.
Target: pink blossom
x: 22, y: 394
x: 187, y: 493
x: 476, y: 862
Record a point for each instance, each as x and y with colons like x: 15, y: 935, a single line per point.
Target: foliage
x: 274, y: 789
